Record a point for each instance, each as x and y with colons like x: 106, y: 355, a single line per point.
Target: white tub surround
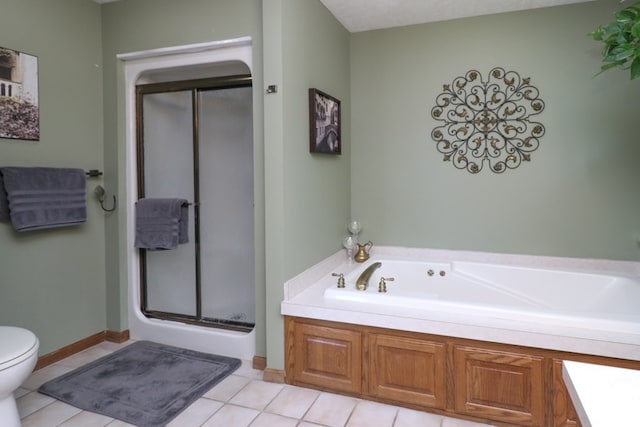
x: 603, y: 396
x: 564, y: 304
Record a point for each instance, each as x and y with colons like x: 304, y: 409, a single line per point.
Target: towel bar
x: 191, y: 204
x: 93, y: 173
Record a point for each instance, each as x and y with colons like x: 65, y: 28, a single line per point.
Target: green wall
x: 579, y: 195
x: 53, y: 281
x: 307, y: 195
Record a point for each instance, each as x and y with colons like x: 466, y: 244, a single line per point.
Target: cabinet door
x: 407, y: 370
x: 564, y: 413
x: 501, y: 386
x: 326, y: 357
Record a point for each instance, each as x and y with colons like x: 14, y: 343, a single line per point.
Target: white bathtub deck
x: 304, y: 297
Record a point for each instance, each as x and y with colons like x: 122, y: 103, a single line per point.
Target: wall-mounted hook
x: 100, y: 193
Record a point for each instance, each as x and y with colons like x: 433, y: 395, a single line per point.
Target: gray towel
x: 161, y: 223
x: 45, y: 197
x: 4, y: 203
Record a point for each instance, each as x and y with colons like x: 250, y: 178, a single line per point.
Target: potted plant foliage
x: 621, y: 40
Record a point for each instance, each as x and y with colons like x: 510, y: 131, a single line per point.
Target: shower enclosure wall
x: 193, y: 140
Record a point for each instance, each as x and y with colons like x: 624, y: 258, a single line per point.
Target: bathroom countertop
x: 304, y: 297
x: 603, y: 396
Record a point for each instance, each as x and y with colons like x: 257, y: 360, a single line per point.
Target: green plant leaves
x: 620, y: 53
x: 596, y: 34
x: 635, y: 68
x: 621, y: 40
x: 626, y: 15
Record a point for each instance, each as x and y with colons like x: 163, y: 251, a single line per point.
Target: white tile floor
x: 242, y: 399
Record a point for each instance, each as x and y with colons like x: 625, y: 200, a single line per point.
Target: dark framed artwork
x: 324, y: 123
x: 19, y: 111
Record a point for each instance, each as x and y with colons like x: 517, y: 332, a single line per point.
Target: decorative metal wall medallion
x: 488, y: 121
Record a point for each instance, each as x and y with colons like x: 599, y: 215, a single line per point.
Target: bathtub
x: 583, y: 306
x: 501, y: 291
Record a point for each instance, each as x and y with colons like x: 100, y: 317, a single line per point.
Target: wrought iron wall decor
x: 488, y: 121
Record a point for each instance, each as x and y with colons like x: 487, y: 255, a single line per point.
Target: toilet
x: 18, y: 357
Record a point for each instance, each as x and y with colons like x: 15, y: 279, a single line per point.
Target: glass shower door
x: 226, y: 204
x: 195, y: 142
x: 168, y: 173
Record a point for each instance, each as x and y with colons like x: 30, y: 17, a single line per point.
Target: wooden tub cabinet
x: 500, y: 384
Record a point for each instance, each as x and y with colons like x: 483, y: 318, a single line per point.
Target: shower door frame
x: 194, y: 86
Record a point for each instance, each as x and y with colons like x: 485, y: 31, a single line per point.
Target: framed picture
x: 324, y: 123
x: 19, y: 111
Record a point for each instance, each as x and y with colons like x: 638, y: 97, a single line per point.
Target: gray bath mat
x: 145, y: 384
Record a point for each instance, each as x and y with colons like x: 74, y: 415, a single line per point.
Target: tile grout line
x: 228, y: 401
x: 39, y: 409
x: 267, y: 405
x: 351, y: 413
x: 214, y: 412
x: 395, y: 418
x: 310, y: 406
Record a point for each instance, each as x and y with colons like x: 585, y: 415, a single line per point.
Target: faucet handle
x: 340, y: 277
x: 382, y: 285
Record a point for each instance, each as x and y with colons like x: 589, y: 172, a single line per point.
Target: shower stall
x: 195, y: 142
x: 190, y: 136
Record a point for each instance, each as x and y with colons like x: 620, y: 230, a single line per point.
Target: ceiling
x: 364, y: 15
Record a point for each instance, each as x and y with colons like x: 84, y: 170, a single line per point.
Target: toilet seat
x: 16, y: 345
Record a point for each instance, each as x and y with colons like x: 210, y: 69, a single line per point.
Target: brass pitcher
x: 363, y: 252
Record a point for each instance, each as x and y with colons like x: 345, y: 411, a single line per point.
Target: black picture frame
x: 324, y: 123
x: 19, y: 109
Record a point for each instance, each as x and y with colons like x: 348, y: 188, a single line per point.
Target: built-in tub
x: 584, y: 306
x: 501, y: 291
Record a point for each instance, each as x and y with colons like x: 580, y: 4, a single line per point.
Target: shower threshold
x: 209, y: 322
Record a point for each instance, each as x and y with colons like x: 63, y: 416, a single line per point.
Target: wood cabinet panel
x: 407, y: 370
x: 564, y: 412
x: 487, y: 382
x: 499, y: 386
x: 328, y: 357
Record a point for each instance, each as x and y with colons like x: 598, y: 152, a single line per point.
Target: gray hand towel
x: 4, y: 203
x: 41, y: 197
x: 161, y: 223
